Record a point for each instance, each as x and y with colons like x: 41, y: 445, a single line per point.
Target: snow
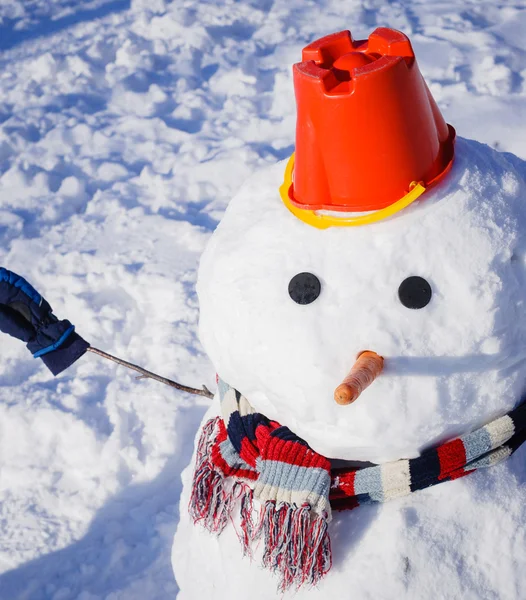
x: 125, y: 129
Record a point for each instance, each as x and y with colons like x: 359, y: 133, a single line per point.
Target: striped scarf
x: 245, y: 456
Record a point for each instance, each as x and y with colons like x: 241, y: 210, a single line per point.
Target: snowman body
x: 450, y: 367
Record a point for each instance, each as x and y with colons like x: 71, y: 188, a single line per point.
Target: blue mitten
x: 24, y: 314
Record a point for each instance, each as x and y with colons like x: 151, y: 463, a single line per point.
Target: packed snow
x: 125, y: 129
x: 448, y: 367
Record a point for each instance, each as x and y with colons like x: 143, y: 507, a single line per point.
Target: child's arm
x: 26, y: 315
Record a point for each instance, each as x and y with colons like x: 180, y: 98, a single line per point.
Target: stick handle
x: 149, y: 375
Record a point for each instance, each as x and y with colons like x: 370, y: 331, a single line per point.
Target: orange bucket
x: 367, y: 125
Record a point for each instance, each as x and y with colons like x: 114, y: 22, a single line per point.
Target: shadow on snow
x: 130, y: 535
x: 10, y: 36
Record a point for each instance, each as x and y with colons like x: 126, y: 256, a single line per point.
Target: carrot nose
x: 365, y: 370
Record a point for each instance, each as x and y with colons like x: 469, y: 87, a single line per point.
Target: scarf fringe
x: 208, y: 502
x: 296, y: 542
x: 250, y: 531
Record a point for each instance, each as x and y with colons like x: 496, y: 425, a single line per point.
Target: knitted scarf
x: 245, y: 456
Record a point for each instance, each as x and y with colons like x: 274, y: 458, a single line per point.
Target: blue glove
x: 24, y: 314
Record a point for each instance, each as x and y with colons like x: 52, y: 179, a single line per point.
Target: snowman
x: 363, y: 305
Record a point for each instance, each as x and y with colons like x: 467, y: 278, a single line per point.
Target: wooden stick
x: 144, y: 374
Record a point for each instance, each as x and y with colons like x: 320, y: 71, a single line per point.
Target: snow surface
x: 125, y: 128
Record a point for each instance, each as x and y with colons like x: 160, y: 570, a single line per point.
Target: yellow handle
x: 323, y: 221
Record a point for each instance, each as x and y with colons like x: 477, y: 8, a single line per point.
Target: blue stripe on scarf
x: 424, y: 470
x: 369, y: 481
x: 284, y: 433
x: 293, y: 477
x: 240, y: 427
x: 231, y: 456
x: 517, y: 440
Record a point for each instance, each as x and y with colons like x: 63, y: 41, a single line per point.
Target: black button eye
x: 415, y: 292
x: 304, y: 288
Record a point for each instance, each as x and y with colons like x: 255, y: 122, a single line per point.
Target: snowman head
x: 437, y: 290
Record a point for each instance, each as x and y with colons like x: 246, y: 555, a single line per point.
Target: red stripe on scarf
x: 248, y: 452
x: 229, y: 471
x: 342, y: 484
x: 288, y: 452
x: 460, y: 473
x: 452, y: 456
x: 220, y: 462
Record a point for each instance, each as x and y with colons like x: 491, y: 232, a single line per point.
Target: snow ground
x: 125, y: 127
